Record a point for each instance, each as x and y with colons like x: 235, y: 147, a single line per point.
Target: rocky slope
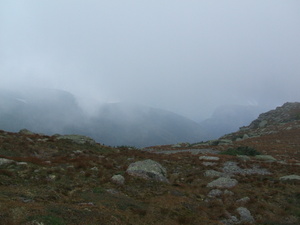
x: 74, y: 180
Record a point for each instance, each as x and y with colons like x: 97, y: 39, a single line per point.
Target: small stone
x: 209, y: 163
x: 244, y: 200
x: 4, y: 161
x: 223, y: 182
x: 52, y: 177
x: 262, y: 123
x: 77, y: 152
x: 212, y: 173
x: 209, y: 158
x: 265, y: 157
x: 290, y: 178
x: 243, y: 157
x: 245, y: 215
x: 118, y: 179
x: 26, y: 132
x: 215, y: 193
x: 227, y: 192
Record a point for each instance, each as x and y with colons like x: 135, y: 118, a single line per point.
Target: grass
x: 241, y: 150
x: 58, y: 186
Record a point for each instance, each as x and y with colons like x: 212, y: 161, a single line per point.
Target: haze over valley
x: 163, y: 72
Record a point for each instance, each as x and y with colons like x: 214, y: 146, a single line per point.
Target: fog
x: 188, y: 57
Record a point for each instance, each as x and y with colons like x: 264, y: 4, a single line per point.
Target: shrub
x: 242, y: 150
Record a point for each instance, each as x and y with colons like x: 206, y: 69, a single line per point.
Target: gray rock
x: 79, y: 139
x: 227, y: 192
x: 212, y: 173
x: 209, y: 158
x: 243, y: 201
x: 215, y: 193
x: 262, y: 124
x: 290, y: 177
x: 246, y: 136
x: 223, y: 182
x: 265, y: 157
x: 245, y: 215
x: 230, y: 168
x: 209, y: 163
x: 231, y: 220
x: 243, y: 157
x: 26, y: 132
x: 4, y: 161
x: 118, y: 179
x: 148, y: 169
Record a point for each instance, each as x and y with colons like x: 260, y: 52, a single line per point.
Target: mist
x: 188, y: 57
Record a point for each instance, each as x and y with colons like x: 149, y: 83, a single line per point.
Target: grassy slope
x: 68, y: 183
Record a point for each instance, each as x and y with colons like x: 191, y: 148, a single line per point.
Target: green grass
x: 242, y: 150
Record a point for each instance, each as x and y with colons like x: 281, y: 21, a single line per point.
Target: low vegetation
x: 54, y: 181
x: 241, y: 150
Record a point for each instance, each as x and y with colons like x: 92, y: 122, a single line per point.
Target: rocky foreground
x: 71, y: 179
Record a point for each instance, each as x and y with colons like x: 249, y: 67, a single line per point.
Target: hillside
x: 74, y: 180
x: 52, y: 111
x: 228, y: 118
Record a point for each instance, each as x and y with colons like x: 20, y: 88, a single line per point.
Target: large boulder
x: 148, y: 169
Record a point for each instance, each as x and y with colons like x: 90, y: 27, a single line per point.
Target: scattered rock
x: 227, y: 192
x: 112, y: 191
x: 95, y: 169
x: 265, y: 157
x: 77, y: 152
x: 243, y: 201
x: 51, y: 177
x: 118, y: 179
x: 290, y: 178
x: 230, y: 168
x: 79, y: 139
x: 209, y: 158
x: 223, y: 182
x: 246, y: 136
x: 148, y: 169
x: 212, y: 173
x: 262, y: 124
x: 26, y: 132
x: 245, y: 215
x: 231, y: 220
x: 243, y: 157
x: 215, y: 193
x: 4, y: 161
x: 209, y: 163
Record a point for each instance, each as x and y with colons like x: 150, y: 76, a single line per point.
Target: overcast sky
x: 185, y: 56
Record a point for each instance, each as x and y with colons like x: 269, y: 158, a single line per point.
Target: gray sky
x: 185, y: 56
